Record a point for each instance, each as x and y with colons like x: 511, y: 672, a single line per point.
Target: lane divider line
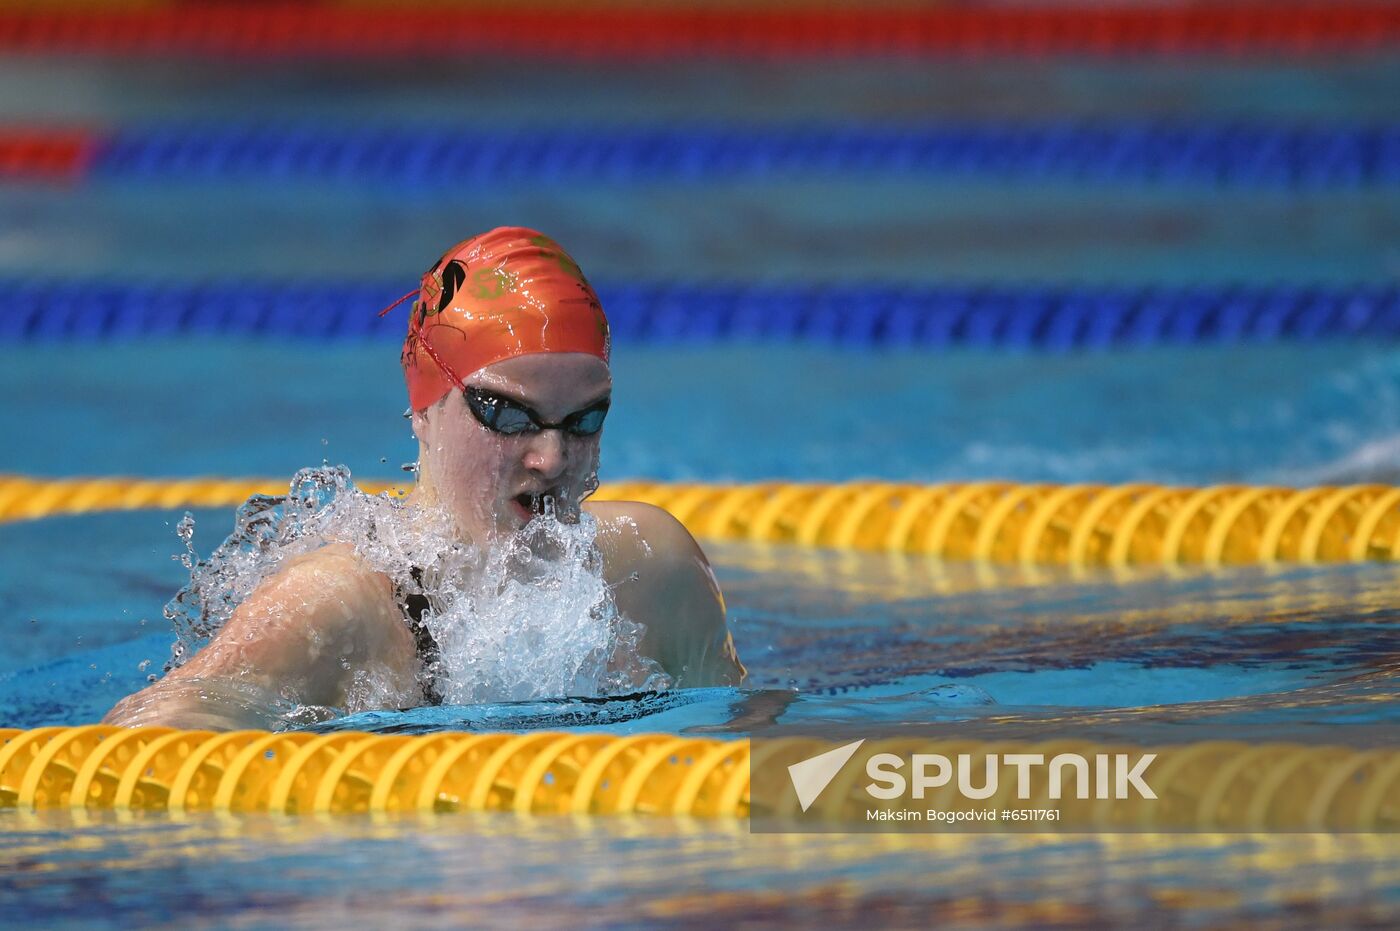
x: 996, y: 522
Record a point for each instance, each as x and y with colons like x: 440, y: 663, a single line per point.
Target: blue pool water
x: 817, y: 230
x: 1287, y: 413
x: 832, y: 640
x: 494, y: 92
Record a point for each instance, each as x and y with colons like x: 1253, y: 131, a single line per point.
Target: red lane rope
x: 45, y: 154
x: 282, y: 29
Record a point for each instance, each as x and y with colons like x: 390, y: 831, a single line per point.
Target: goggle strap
x: 397, y: 303
x: 438, y: 360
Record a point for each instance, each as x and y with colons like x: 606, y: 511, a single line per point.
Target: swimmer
x: 507, y: 365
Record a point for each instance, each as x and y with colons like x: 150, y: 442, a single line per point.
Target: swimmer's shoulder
x: 636, y: 532
x: 331, y: 589
x: 661, y: 578
x: 335, y: 569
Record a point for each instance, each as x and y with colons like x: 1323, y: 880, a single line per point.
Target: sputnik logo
x: 814, y: 774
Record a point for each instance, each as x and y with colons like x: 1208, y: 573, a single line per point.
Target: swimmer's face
x: 488, y: 480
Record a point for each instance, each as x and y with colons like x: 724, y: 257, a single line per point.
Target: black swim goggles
x: 511, y: 418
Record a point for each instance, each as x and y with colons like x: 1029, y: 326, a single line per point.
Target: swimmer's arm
x: 663, y: 580
x: 300, y: 636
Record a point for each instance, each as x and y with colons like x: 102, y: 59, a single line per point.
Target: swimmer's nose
x: 546, y: 455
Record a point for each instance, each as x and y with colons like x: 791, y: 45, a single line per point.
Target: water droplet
x: 185, y: 531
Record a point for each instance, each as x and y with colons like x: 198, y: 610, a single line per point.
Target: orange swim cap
x: 508, y: 292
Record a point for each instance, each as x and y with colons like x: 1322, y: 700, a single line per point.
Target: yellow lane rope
x: 1000, y: 522
x: 1213, y: 785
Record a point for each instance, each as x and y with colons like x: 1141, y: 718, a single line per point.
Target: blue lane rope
x: 1027, y: 317
x: 1132, y: 152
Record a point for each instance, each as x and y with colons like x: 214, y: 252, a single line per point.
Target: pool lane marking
x: 634, y: 31
x: 1122, y: 525
x: 47, y: 154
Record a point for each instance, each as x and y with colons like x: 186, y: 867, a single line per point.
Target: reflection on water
x: 1106, y: 652
x: 507, y: 871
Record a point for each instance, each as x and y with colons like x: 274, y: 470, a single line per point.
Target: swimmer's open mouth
x: 533, y: 504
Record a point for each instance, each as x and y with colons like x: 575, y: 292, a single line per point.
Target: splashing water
x: 529, y: 617
x: 542, y: 623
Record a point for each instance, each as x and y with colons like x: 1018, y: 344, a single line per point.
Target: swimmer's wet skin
x: 506, y: 361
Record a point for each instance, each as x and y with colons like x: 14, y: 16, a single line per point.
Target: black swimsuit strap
x: 428, y: 651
